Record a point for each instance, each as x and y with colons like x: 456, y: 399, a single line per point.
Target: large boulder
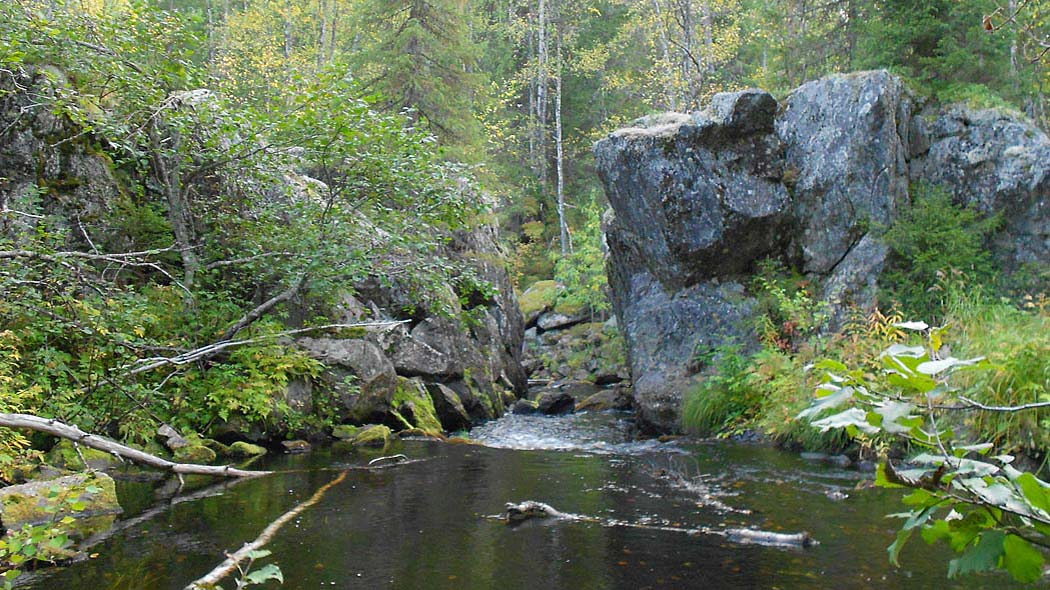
x: 49, y: 165
x: 697, y: 200
x: 361, y: 376
x: 38, y: 502
x: 845, y: 140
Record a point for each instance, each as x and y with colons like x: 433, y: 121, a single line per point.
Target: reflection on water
x: 423, y: 524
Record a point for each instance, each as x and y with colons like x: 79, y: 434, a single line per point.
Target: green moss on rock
x: 195, y: 453
x: 539, y: 297
x: 78, y: 495
x: 412, y: 393
x: 64, y: 456
x: 246, y: 449
x: 376, y: 435
x: 345, y: 431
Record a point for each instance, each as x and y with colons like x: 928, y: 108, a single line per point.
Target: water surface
x: 426, y: 523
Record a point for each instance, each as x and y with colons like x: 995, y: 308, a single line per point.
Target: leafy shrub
x: 723, y: 402
x: 928, y: 242
x: 787, y: 313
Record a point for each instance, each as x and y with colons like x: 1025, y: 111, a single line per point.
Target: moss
x: 246, y: 449
x: 64, y: 455
x: 195, y: 453
x: 375, y: 435
x: 43, y: 501
x: 410, y: 391
x: 539, y: 297
x: 345, y: 431
x: 570, y: 308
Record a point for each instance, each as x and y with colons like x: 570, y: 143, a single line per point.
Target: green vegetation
x: 993, y: 513
x: 937, y: 247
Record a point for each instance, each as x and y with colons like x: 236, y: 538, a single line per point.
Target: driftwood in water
x: 235, y: 559
x: 530, y: 509
x: 770, y: 539
x: 56, y: 428
x: 523, y: 511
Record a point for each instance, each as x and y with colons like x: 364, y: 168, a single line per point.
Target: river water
x: 427, y: 523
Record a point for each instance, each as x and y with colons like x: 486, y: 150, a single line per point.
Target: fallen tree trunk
x: 56, y: 428
x: 770, y: 539
x: 234, y: 560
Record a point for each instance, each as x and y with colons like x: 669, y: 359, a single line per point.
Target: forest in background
x: 520, y: 90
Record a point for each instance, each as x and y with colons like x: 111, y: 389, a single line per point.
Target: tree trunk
x: 563, y: 225
x: 56, y: 428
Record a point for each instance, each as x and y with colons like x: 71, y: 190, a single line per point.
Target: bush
x: 930, y: 242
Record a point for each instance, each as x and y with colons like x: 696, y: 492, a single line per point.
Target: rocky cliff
x: 698, y: 199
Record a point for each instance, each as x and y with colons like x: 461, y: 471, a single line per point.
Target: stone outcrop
x: 698, y: 199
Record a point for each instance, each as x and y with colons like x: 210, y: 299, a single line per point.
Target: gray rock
x: 617, y: 398
x: 33, y: 502
x: 555, y: 402
x: 525, y: 406
x: 995, y: 162
x: 555, y: 321
x: 845, y: 139
x: 298, y: 394
x: 449, y: 407
x: 361, y: 376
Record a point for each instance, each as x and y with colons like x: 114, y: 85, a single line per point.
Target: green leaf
x: 983, y: 557
x: 1035, y: 491
x: 259, y: 553
x: 1022, y: 560
x: 854, y: 417
x: 834, y: 400
x: 265, y: 573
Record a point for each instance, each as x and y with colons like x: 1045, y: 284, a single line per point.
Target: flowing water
x: 652, y: 517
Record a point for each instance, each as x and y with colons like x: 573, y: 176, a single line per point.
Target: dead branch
x: 264, y: 308
x: 210, y: 350
x: 233, y: 560
x: 56, y: 428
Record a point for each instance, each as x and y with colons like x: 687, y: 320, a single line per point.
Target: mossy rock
x: 571, y: 309
x: 241, y: 449
x: 538, y: 298
x: 220, y: 449
x: 80, y: 495
x: 376, y: 435
x: 195, y: 453
x: 413, y: 394
x: 345, y: 431
x: 64, y: 456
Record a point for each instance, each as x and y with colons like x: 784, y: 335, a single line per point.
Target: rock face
x: 698, y: 199
x: 67, y: 179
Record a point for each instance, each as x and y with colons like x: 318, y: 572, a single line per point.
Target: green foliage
x: 937, y: 246
x: 786, y: 313
x: 582, y: 272
x: 993, y: 514
x: 724, y: 402
x: 1017, y: 345
x: 41, y: 543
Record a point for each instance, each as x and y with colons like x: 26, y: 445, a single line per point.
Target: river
x: 428, y: 523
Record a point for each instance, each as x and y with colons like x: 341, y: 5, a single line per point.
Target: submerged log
x: 770, y: 539
x: 59, y: 429
x: 523, y: 511
x: 531, y: 509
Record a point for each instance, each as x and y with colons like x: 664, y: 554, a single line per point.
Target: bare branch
x: 233, y: 560
x: 56, y: 428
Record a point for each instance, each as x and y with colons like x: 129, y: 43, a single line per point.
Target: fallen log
x: 516, y: 513
x: 56, y: 428
x: 234, y: 560
x: 770, y: 539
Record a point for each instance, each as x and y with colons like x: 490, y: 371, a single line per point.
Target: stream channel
x: 426, y: 523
